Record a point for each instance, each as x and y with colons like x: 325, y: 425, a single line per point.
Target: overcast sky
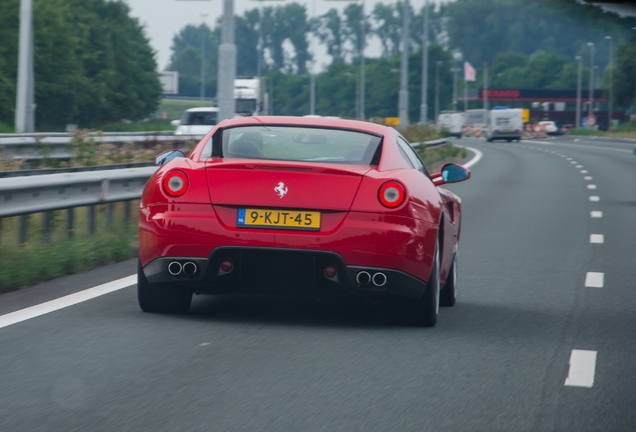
x: 162, y: 19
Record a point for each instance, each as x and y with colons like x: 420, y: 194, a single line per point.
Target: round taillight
x: 175, y: 183
x: 391, y: 194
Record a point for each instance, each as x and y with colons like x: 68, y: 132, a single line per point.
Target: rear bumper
x: 294, y: 261
x: 283, y: 272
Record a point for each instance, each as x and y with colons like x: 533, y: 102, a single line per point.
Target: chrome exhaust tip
x: 363, y: 278
x: 190, y: 268
x: 379, y: 279
x: 175, y: 268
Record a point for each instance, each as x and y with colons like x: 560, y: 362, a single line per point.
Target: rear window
x: 199, y: 118
x: 300, y: 144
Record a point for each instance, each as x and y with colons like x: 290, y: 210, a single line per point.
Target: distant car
x: 196, y: 121
x: 300, y: 206
x: 550, y: 127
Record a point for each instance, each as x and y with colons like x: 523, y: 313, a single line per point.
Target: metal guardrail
x: 26, y: 195
x: 37, y: 146
x: 45, y: 171
x: 431, y: 144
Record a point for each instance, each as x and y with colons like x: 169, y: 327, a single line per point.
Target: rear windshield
x: 199, y: 118
x: 300, y: 144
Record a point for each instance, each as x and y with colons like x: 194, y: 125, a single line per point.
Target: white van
x: 505, y: 124
x: 196, y: 121
x: 452, y: 122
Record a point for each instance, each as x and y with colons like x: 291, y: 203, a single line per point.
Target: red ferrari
x: 300, y: 206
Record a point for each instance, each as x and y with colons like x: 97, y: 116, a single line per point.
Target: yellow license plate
x: 507, y: 130
x: 287, y: 219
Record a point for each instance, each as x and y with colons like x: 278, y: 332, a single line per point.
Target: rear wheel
x: 448, y: 294
x: 157, y: 298
x: 423, y: 311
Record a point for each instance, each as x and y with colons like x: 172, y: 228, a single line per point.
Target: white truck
x: 250, y: 97
x: 452, y: 122
x: 505, y: 124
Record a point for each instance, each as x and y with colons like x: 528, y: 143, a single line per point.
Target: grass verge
x: 625, y: 130
x: 434, y: 159
x: 38, y: 260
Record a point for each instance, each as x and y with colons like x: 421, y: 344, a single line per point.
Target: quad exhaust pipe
x: 175, y: 268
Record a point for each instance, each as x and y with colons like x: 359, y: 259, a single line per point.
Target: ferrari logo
x: 281, y: 189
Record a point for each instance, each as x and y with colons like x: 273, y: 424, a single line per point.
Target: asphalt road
x: 497, y: 361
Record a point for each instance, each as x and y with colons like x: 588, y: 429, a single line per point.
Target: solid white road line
x: 587, y: 178
x: 582, y: 367
x: 597, y: 238
x: 596, y: 214
x: 594, y: 198
x: 475, y: 159
x: 594, y: 280
x: 66, y: 301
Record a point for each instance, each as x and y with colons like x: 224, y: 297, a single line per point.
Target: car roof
x: 324, y: 122
x: 203, y: 109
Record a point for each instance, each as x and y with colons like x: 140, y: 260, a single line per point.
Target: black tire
x: 423, y: 312
x: 448, y: 294
x: 158, y: 298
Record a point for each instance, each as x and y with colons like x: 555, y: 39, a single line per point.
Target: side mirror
x: 451, y: 173
x: 167, y: 156
x: 175, y: 123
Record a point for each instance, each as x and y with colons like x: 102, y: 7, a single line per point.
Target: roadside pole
x: 403, y: 102
x: 25, y: 92
x: 227, y: 64
x: 578, y: 93
x: 424, y: 102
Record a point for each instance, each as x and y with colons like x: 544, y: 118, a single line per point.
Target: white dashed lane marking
x: 582, y: 368
x: 579, y: 166
x: 597, y: 238
x: 591, y: 186
x: 594, y: 198
x: 594, y: 280
x: 587, y: 178
x: 583, y: 171
x: 596, y: 214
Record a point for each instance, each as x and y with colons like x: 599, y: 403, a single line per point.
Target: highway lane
x: 496, y: 361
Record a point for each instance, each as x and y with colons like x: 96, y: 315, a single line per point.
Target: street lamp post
x: 423, y: 104
x: 437, y: 89
x: 611, y: 89
x: 591, y: 99
x: 578, y: 92
x: 25, y: 92
x: 227, y: 64
x: 403, y: 101
x: 454, y: 71
x: 203, y: 37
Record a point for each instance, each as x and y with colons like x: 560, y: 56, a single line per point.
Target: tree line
x: 93, y: 63
x: 525, y: 44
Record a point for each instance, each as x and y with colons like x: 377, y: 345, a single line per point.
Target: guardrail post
x: 110, y: 210
x: 23, y: 222
x: 91, y: 219
x: 126, y: 212
x: 70, y: 222
x: 46, y: 229
x: 0, y: 231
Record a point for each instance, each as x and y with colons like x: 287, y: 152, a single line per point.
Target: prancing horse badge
x: 281, y: 189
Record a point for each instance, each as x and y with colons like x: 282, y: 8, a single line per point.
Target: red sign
x: 507, y: 94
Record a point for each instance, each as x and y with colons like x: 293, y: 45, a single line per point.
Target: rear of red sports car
x: 291, y: 206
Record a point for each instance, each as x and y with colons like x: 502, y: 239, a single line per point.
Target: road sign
x: 392, y: 121
x: 590, y: 121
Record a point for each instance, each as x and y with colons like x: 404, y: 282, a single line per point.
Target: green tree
x: 625, y: 74
x: 93, y: 63
x: 186, y: 59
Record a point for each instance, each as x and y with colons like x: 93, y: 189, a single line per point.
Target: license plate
x: 286, y: 219
x: 507, y: 130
